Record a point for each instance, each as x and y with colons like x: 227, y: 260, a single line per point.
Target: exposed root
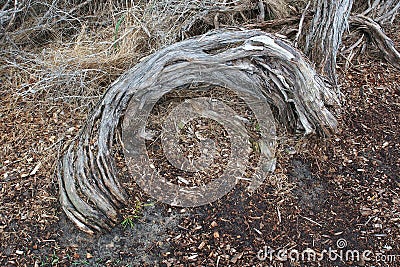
x: 376, y: 34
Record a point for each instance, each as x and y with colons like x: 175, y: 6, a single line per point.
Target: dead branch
x: 303, y: 15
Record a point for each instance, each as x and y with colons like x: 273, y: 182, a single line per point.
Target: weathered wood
x: 376, y: 34
x: 381, y: 11
x: 250, y: 61
x: 324, y: 37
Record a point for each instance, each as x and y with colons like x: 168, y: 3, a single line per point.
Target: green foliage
x: 80, y: 263
x: 117, y: 26
x: 52, y: 260
x: 136, y: 214
x: 129, y: 221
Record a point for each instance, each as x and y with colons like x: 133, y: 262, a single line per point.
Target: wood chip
x: 34, y: 171
x: 365, y: 211
x: 236, y: 257
x: 202, y: 244
x: 216, y: 235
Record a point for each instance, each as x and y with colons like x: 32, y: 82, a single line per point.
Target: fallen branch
x: 296, y: 40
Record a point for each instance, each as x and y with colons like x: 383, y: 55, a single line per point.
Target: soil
x: 341, y: 192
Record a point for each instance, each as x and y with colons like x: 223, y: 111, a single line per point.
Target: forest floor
x: 340, y: 193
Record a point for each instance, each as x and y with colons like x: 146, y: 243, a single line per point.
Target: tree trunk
x: 324, y: 36
x: 247, y: 61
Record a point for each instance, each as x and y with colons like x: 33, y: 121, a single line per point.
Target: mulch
x: 345, y: 188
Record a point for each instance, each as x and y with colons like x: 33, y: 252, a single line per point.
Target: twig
x: 279, y: 215
x: 261, y: 16
x: 310, y: 220
x: 354, y: 45
x: 301, y: 25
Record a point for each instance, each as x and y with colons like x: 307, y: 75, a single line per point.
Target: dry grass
x: 73, y: 50
x: 76, y: 51
x: 277, y: 8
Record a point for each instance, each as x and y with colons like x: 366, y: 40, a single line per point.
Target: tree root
x: 376, y: 34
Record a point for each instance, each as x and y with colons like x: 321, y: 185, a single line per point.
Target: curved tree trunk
x: 258, y: 63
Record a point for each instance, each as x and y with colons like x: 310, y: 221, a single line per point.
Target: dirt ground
x: 340, y: 193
